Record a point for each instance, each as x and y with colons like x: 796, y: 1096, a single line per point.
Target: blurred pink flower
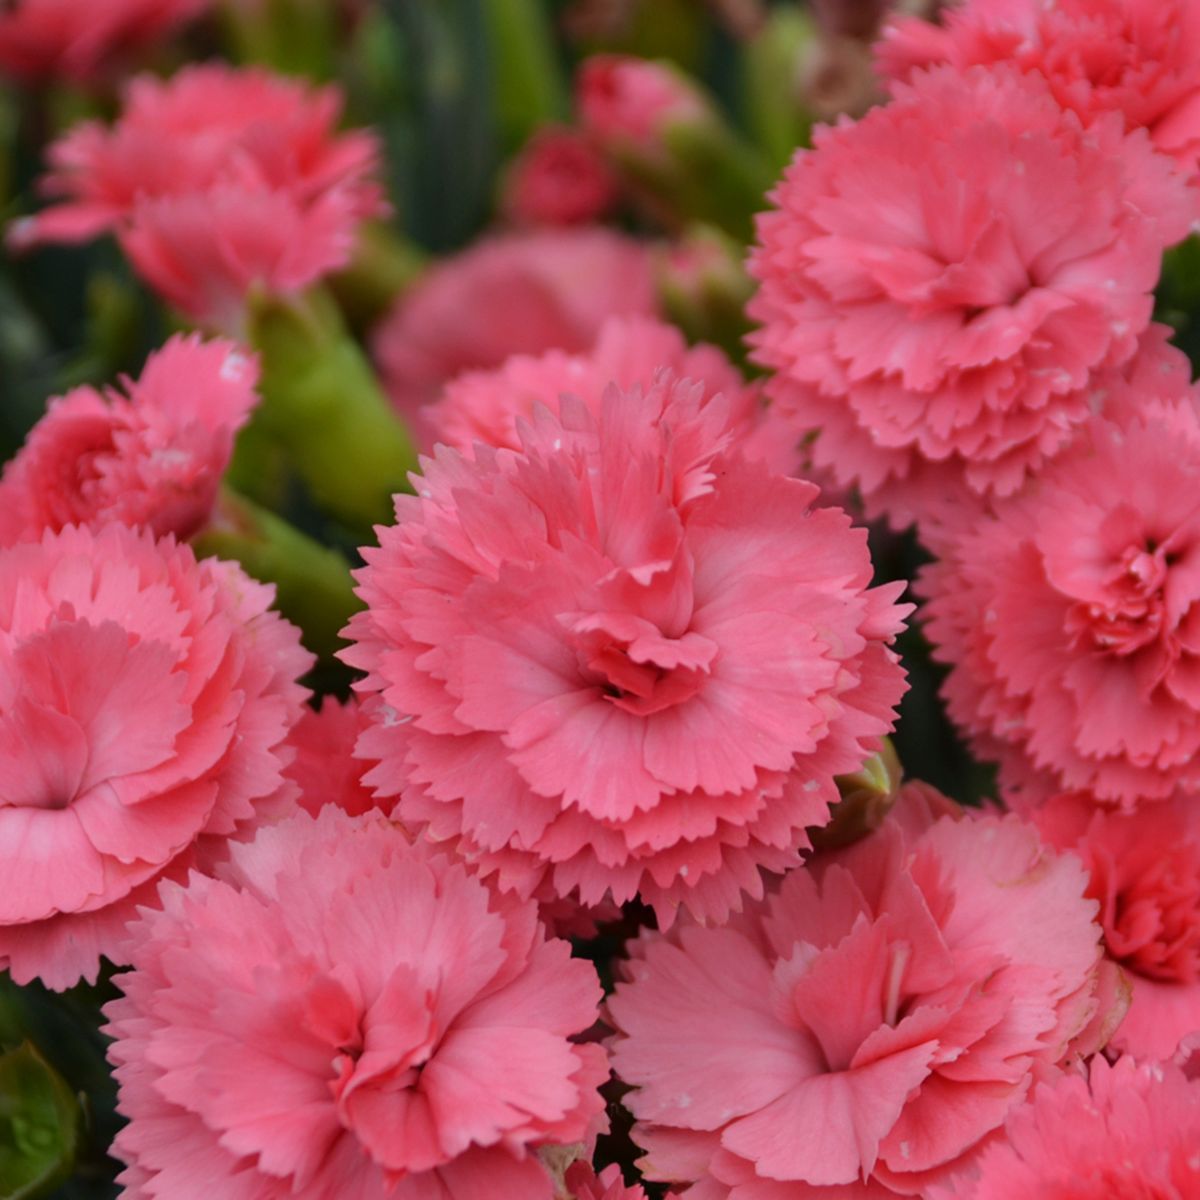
x: 1145, y: 874
x: 324, y: 768
x: 628, y: 104
x: 867, y: 1027
x: 487, y: 406
x: 1128, y: 1131
x: 215, y: 181
x: 152, y: 457
x: 1136, y: 58
x: 343, y: 1013
x: 942, y: 281
x: 1070, y: 618
x: 559, y: 178
x: 624, y: 659
x: 81, y: 39
x: 515, y: 293
x: 145, y: 702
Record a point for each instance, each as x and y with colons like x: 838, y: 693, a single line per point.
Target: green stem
x: 385, y: 265
x: 322, y: 403
x: 772, y: 64
x: 313, y: 586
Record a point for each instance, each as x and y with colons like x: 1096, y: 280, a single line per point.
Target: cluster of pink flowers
x: 621, y: 662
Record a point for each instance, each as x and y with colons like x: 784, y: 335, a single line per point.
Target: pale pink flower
x: 867, y: 1027
x: 1069, y: 618
x: 215, y: 181
x: 80, y: 40
x: 515, y: 293
x: 345, y: 1014
x: 324, y: 768
x: 1144, y: 868
x: 1136, y: 58
x: 489, y: 406
x: 942, y: 282
x: 624, y: 659
x: 152, y: 455
x: 1128, y: 1131
x: 559, y: 178
x: 584, y: 1184
x: 145, y: 703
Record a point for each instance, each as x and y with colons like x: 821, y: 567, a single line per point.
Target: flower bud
x: 559, y: 178
x: 704, y: 287
x: 667, y: 137
x: 324, y: 406
x: 867, y: 797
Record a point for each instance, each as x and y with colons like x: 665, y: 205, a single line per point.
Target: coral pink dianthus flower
x: 942, y: 281
x: 623, y: 659
x: 145, y: 703
x: 1070, y: 618
x: 1126, y: 1131
x: 1136, y: 58
x: 516, y: 293
x: 1145, y: 873
x: 153, y: 456
x: 345, y: 1014
x: 863, y: 1030
x: 486, y: 406
x: 215, y: 181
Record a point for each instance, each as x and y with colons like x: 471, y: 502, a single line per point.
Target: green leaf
x: 40, y: 1122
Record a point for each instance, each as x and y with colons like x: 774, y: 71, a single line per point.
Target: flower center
x: 1133, y: 614
x: 1153, y: 925
x: 638, y: 669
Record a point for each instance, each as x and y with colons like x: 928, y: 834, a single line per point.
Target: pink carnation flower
x: 517, y: 293
x: 215, y: 181
x: 624, y: 660
x: 345, y: 1014
x: 488, y: 406
x: 1070, y: 619
x: 1127, y: 1131
x: 324, y: 768
x: 145, y: 702
x: 1145, y: 874
x: 80, y: 39
x: 942, y: 281
x: 584, y: 1184
x: 153, y: 456
x: 559, y: 178
x: 866, y: 1028
x: 1136, y: 58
